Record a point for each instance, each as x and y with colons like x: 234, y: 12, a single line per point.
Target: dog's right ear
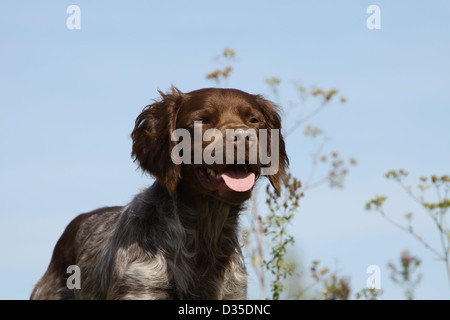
x: 151, y: 137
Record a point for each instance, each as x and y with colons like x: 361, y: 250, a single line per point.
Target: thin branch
x: 444, y: 231
x: 408, y: 190
x: 308, y: 184
x: 300, y: 121
x: 415, y: 235
x: 260, y: 246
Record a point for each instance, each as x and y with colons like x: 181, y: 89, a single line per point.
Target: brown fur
x: 176, y: 239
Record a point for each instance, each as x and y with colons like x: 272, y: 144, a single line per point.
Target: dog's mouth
x: 234, y: 177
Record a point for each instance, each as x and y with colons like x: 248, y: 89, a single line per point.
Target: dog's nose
x: 243, y: 133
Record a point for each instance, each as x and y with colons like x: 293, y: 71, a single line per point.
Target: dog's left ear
x: 152, y: 145
x: 273, y: 121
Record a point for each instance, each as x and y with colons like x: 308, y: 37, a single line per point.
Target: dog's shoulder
x: 91, y: 225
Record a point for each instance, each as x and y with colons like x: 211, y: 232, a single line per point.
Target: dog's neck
x: 208, y: 218
x: 202, y: 216
x: 205, y: 244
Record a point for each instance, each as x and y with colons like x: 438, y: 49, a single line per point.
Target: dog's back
x: 86, y: 226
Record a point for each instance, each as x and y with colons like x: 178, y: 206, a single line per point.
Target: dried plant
x: 436, y: 210
x: 405, y: 274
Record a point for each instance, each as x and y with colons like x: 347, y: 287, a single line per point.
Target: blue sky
x: 69, y: 99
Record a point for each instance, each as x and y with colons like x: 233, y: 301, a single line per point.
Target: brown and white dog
x: 178, y: 239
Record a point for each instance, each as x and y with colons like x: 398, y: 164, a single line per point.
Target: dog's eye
x: 203, y: 120
x: 254, y: 120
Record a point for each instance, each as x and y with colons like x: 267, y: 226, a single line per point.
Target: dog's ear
x: 273, y: 121
x: 152, y: 145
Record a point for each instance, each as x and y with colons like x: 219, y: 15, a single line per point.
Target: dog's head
x: 214, y: 142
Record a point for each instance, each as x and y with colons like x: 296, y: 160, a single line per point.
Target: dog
x: 179, y: 238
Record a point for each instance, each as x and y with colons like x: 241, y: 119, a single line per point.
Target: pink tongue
x: 237, y: 179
